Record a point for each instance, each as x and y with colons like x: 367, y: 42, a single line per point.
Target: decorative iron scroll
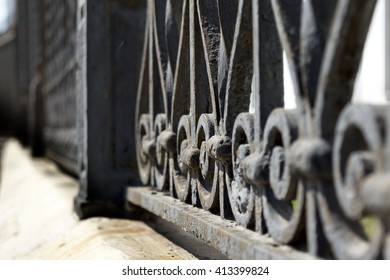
x: 212, y: 129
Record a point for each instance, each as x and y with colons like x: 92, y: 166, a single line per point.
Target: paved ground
x: 37, y: 221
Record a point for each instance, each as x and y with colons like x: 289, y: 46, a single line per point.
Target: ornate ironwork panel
x: 191, y: 93
x: 211, y: 127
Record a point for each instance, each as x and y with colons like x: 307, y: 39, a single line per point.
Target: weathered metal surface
x: 227, y: 236
x: 109, y: 44
x: 315, y: 175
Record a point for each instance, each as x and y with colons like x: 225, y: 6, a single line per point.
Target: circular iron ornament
x: 356, y: 155
x: 284, y: 198
x: 144, y: 140
x: 181, y: 175
x: 161, y: 171
x: 207, y: 175
x: 241, y: 194
x: 356, y: 152
x: 348, y: 239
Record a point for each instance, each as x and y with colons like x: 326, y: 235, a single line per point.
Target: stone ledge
x: 37, y: 219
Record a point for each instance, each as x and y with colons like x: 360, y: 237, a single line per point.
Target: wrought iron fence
x: 212, y: 128
x: 190, y: 93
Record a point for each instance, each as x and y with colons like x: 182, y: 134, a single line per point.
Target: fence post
x: 109, y: 43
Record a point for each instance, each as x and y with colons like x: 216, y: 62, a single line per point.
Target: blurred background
x: 8, y: 72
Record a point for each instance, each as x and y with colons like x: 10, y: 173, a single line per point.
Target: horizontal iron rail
x: 231, y: 239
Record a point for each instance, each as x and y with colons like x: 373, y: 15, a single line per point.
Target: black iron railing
x: 187, y: 96
x: 212, y: 128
